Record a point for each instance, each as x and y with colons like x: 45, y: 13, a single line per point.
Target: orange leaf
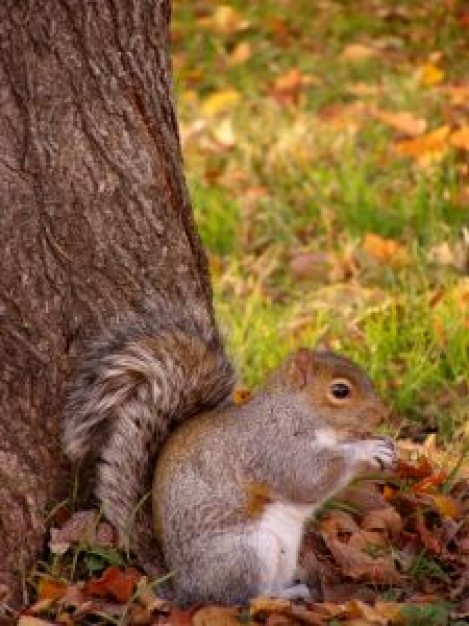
x: 287, y: 86
x: 381, y: 249
x: 460, y: 138
x: 51, y: 588
x: 241, y: 53
x: 241, y: 395
x: 430, y: 482
x: 425, y: 147
x: 114, y: 582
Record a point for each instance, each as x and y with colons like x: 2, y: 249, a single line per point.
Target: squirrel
x: 233, y: 486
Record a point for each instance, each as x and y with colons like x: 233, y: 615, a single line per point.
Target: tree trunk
x: 95, y: 218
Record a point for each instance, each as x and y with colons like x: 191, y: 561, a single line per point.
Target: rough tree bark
x: 95, y: 218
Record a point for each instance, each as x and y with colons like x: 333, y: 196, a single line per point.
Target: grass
x: 272, y: 179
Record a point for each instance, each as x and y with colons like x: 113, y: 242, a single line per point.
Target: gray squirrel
x: 233, y: 485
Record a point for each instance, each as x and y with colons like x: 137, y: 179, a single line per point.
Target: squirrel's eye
x: 339, y: 391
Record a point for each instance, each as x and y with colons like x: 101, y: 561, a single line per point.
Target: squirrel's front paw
x: 379, y: 453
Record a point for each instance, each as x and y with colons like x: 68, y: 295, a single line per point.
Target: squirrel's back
x: 146, y: 374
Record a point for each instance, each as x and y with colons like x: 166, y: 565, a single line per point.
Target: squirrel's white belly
x: 276, y: 538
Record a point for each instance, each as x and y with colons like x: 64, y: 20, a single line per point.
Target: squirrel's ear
x: 299, y: 368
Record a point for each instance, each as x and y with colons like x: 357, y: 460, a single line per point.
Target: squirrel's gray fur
x: 145, y: 375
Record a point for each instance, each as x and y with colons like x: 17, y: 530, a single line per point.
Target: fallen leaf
x: 429, y: 75
x: 267, y: 604
x: 241, y: 395
x: 426, y: 536
x: 179, y: 617
x: 363, y: 90
x: 29, y: 620
x: 359, y: 609
x: 41, y: 606
x: 216, y: 616
x: 458, y: 94
x: 51, y: 588
x: 307, y: 265
x: 386, y: 521
x: 382, y: 249
x: 115, y: 583
x: 220, y: 101
x: 224, y: 134
x: 436, y: 479
x: 446, y: 505
x: 288, y: 86
x: 358, y: 52
x: 240, y: 53
x: 408, y: 470
x: 84, y: 526
x: 225, y: 21
x: 460, y: 138
x: 403, y: 121
x: 426, y: 147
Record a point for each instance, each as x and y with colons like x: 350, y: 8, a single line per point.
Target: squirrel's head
x: 340, y: 393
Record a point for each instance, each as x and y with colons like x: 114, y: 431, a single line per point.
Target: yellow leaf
x: 220, y: 101
x: 381, y: 249
x: 358, y: 52
x: 224, y: 21
x: 430, y: 75
x: 446, y: 506
x: 240, y: 54
x: 460, y: 138
x: 404, y: 122
x: 426, y: 147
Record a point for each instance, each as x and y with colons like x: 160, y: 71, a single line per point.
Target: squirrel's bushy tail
x: 134, y: 385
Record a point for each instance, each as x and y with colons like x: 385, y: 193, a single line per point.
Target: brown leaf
x: 426, y: 536
x: 29, y: 620
x: 307, y: 265
x: 386, y: 521
x: 83, y: 527
x: 216, y: 616
x: 178, y: 617
x: 115, y: 583
x: 358, y: 609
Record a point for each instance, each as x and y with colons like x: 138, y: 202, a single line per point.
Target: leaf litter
x: 386, y: 549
